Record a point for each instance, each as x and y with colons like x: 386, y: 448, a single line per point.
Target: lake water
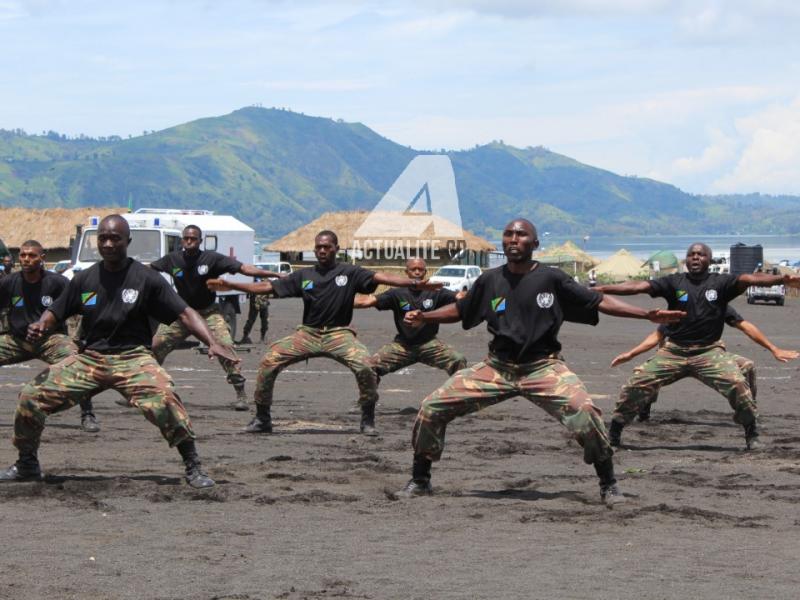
x: 776, y: 247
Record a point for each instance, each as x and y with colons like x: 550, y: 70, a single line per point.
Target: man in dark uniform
x: 746, y: 365
x: 328, y: 290
x: 258, y: 308
x: 190, y: 269
x: 117, y: 298
x: 413, y: 344
x: 523, y: 304
x: 26, y: 294
x: 693, y: 347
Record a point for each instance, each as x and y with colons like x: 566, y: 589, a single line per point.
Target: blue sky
x: 703, y: 94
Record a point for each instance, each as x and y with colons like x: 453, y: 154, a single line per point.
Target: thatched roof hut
x: 365, y: 231
x: 52, y: 227
x: 622, y: 265
x: 567, y: 253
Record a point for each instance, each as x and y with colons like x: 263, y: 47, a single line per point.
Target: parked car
x: 281, y: 267
x: 457, y: 278
x: 775, y: 293
x: 61, y: 266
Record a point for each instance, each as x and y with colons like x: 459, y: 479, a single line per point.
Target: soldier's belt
x: 526, y: 367
x: 691, y: 350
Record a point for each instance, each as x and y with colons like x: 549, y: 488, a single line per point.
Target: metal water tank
x: 746, y: 259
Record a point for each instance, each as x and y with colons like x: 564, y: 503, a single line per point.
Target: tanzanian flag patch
x: 404, y: 305
x: 177, y: 272
x: 307, y: 284
x: 89, y: 298
x: 499, y: 304
x: 17, y: 301
x: 682, y: 295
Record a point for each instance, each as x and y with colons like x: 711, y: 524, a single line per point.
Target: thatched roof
x: 623, y: 264
x: 570, y: 253
x: 52, y: 227
x: 419, y: 229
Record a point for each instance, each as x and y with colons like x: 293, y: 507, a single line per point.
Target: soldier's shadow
x: 526, y: 495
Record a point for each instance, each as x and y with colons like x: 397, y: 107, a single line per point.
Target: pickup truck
x: 775, y: 293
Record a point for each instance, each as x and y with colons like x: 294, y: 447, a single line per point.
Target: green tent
x: 666, y: 260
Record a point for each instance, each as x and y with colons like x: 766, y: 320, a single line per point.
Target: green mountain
x: 276, y: 170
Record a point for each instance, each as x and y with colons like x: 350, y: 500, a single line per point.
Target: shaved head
x: 705, y: 248
x: 525, y: 224
x: 117, y: 222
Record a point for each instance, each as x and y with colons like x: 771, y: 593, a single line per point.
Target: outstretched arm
x: 755, y: 334
x: 196, y: 324
x: 651, y: 341
x: 42, y: 327
x: 365, y: 301
x: 253, y: 271
x: 446, y: 314
x: 398, y: 281
x: 223, y: 285
x: 618, y: 308
x: 628, y: 288
x: 762, y: 279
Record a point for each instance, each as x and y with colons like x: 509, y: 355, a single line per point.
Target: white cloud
x: 719, y: 153
x: 771, y: 155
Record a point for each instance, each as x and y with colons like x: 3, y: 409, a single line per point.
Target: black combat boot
x: 25, y: 469
x: 420, y: 482
x: 89, y: 422
x: 615, y: 433
x: 368, y: 420
x: 644, y: 411
x: 751, y: 437
x: 262, y: 422
x: 609, y: 491
x: 195, y: 476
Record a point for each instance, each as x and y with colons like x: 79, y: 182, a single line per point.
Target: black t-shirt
x: 117, y: 306
x: 27, y: 301
x: 190, y: 273
x: 327, y: 293
x: 732, y: 317
x: 704, y: 299
x: 402, y: 300
x: 524, y: 312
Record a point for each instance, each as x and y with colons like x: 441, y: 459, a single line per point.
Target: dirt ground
x: 308, y: 511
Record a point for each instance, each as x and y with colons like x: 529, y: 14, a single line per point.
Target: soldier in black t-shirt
x: 746, y: 366
x: 413, y: 344
x: 328, y: 291
x: 25, y: 294
x: 190, y: 269
x: 117, y: 298
x: 524, y: 304
x: 693, y: 347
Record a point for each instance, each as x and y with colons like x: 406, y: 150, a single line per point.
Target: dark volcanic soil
x: 308, y: 511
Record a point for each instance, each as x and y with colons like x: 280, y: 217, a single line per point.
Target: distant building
x: 54, y: 228
x: 401, y: 236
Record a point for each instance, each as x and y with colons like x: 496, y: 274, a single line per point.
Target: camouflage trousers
x: 135, y: 374
x: 338, y: 343
x: 52, y: 349
x: 168, y: 337
x: 712, y: 365
x: 393, y: 357
x: 746, y: 366
x: 548, y: 383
